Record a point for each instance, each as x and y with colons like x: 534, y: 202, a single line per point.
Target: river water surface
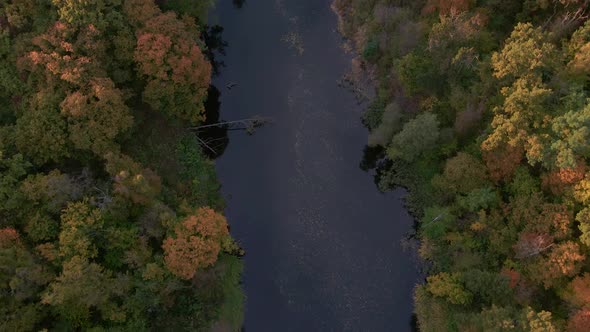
x: 323, y: 245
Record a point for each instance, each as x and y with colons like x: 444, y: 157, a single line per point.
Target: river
x: 323, y: 245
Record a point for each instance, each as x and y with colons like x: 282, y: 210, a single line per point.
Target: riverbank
x: 456, y: 120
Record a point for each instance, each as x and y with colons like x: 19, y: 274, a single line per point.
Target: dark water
x: 323, y: 246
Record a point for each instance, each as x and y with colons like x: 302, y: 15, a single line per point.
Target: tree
x: 96, y: 116
x: 580, y: 290
x: 483, y: 198
x: 449, y: 287
x: 131, y: 181
x: 583, y: 217
x: 447, y: 7
x: 526, y: 52
x: 538, y: 321
x: 41, y: 132
x: 417, y: 73
x: 432, y: 307
x: 564, y: 260
x: 9, y: 237
x: 571, y: 134
x: 51, y: 191
x: 463, y: 173
x: 516, y: 122
x: 561, y: 179
x: 41, y: 227
x: 579, y: 51
x: 488, y: 287
x: 436, y: 222
x: 582, y: 190
x: 61, y: 62
x: 390, y: 124
x: 177, y: 73
x: 13, y: 170
x: 416, y: 138
x: 196, y: 243
x: 80, y: 13
x: 80, y: 224
x: 525, y: 59
x: 84, y: 288
x: 21, y: 279
x: 579, y: 321
x: 523, y: 183
x: 502, y: 162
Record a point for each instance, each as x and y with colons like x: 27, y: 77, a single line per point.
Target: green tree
x: 583, y: 218
x: 448, y: 286
x: 390, y: 124
x: 41, y: 133
x: 418, y: 136
x: 571, y: 135
x: 80, y: 226
x: 464, y: 173
x: 83, y: 289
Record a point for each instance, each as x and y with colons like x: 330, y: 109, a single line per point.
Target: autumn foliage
x: 196, y: 243
x: 175, y: 69
x: 563, y: 178
x: 502, y: 191
x: 580, y: 290
x: 93, y: 176
x: 446, y: 7
x: 579, y: 321
x: 8, y: 237
x: 502, y: 163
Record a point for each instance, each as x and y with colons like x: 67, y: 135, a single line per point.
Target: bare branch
x: 206, y: 145
x: 247, y: 123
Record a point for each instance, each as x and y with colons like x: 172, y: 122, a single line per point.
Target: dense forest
x: 110, y: 214
x: 482, y: 112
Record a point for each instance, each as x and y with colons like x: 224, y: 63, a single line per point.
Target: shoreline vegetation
x: 482, y: 112
x: 111, y: 218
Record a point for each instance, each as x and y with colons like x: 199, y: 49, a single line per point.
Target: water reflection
x: 215, y: 138
x: 239, y: 3
x: 371, y: 157
x: 375, y: 161
x: 212, y: 35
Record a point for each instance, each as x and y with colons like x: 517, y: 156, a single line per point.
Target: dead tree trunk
x: 243, y: 124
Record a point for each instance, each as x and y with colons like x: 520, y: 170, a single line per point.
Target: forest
x: 482, y: 112
x: 110, y: 213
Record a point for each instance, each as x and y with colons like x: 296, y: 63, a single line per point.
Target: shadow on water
x: 372, y: 156
x: 239, y: 3
x: 414, y: 323
x: 212, y: 35
x: 215, y: 137
x: 375, y: 161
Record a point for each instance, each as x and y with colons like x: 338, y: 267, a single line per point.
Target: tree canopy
x: 98, y: 230
x: 489, y: 132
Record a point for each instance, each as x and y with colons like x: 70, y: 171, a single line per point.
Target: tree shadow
x: 239, y: 3
x: 212, y: 35
x: 214, y: 140
x: 375, y: 162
